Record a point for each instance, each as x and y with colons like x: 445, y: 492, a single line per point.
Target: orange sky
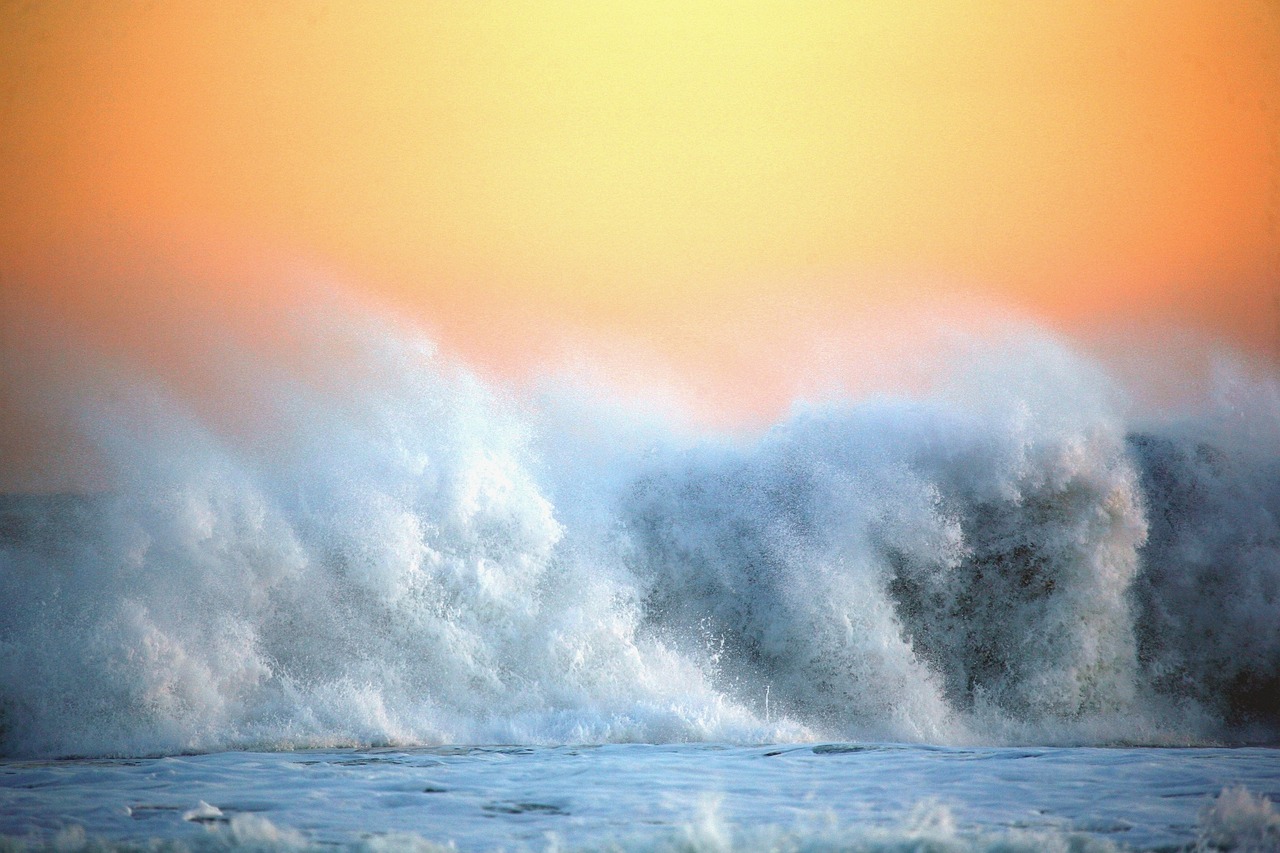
x: 703, y: 180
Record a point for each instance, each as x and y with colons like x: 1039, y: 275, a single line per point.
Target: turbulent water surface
x: 395, y: 554
x: 640, y: 797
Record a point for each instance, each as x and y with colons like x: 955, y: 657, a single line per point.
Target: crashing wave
x: 405, y: 555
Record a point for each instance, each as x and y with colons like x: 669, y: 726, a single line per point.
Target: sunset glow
x: 515, y: 176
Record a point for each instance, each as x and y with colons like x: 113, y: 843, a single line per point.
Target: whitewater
x: 397, y: 564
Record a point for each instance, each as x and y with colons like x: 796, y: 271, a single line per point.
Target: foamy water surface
x: 690, y: 797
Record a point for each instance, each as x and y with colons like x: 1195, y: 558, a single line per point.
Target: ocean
x: 396, y: 605
x: 690, y: 797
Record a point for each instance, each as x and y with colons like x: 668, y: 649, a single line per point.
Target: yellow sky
x: 665, y: 171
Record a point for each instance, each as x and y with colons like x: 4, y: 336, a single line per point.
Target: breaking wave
x: 399, y: 553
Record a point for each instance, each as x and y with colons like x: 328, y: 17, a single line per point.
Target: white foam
x: 400, y: 554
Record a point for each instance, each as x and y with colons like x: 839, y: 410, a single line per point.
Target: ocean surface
x: 690, y: 797
x: 306, y: 615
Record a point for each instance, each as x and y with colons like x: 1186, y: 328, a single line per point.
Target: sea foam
x: 399, y: 553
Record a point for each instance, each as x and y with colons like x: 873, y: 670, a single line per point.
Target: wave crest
x: 405, y: 555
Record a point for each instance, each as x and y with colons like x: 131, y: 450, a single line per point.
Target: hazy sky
x: 706, y: 181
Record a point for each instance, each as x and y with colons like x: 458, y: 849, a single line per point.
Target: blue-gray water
x: 633, y: 796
